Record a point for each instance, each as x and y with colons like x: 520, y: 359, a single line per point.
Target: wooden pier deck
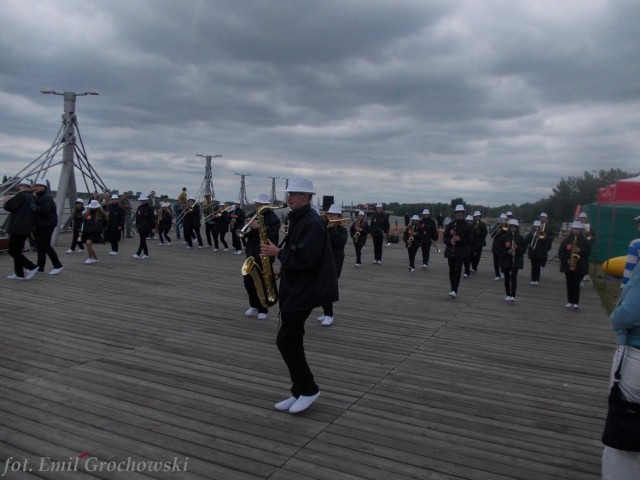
x: 154, y: 360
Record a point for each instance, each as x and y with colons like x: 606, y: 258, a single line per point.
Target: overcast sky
x: 402, y: 100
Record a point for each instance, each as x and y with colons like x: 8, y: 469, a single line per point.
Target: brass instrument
x: 218, y: 213
x: 412, y: 236
x: 498, y: 228
x: 513, y: 247
x: 356, y: 236
x: 335, y: 222
x: 244, y: 231
x: 264, y: 278
x: 575, y: 257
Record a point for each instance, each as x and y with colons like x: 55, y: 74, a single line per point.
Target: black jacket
x: 338, y: 236
x: 507, y: 261
x: 540, y: 252
x: 480, y: 232
x: 308, y: 276
x: 45, y: 214
x: 416, y: 231
x: 362, y: 239
x: 116, y: 216
x: 379, y: 224
x: 429, y: 229
x: 462, y: 248
x: 145, y: 218
x: 272, y: 227
x: 566, y: 250
x: 193, y: 216
x: 21, y: 207
x: 93, y: 221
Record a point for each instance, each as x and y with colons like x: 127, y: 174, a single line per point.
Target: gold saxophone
x: 412, y: 237
x: 356, y: 236
x: 264, y: 279
x: 575, y: 257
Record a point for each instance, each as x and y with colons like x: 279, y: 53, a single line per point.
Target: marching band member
x: 237, y: 217
x: 209, y: 219
x: 145, y: 223
x: 45, y: 220
x: 221, y: 227
x: 458, y: 239
x: 338, y: 236
x: 574, y: 262
x: 191, y: 223
x: 497, y: 230
x: 115, y: 223
x: 165, y: 219
x: 20, y: 208
x: 467, y: 263
x: 511, y: 250
x: 590, y: 235
x: 272, y: 227
x: 182, y: 197
x: 359, y: 231
x: 413, y: 239
x: 379, y: 231
x: 480, y: 232
x: 429, y: 229
x: 536, y: 251
x: 94, y: 222
x: 76, y: 215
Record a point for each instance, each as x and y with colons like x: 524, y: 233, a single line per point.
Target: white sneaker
x: 320, y: 317
x: 15, y: 277
x: 473, y: 270
x: 199, y: 246
x: 262, y: 316
x: 144, y: 257
x: 161, y: 244
x: 70, y: 251
x: 188, y: 247
x: 302, y: 403
x: 379, y: 262
x: 94, y: 260
x: 532, y: 282
x: 497, y: 278
x: 226, y: 250
x: 465, y: 276
x: 238, y: 252
x: 215, y: 249
x: 576, y: 306
x: 507, y: 298
x: 251, y: 312
x: 113, y: 254
x: 135, y: 255
x: 55, y: 271
x: 29, y: 274
x: 168, y: 244
x: 411, y: 269
x: 285, y: 404
x: 569, y: 305
x: 327, y: 321
x: 513, y: 300
x: 424, y: 266
x: 357, y: 265
x: 374, y: 262
x: 88, y: 261
x: 453, y: 294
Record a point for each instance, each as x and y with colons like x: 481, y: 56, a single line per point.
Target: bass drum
x: 393, y: 238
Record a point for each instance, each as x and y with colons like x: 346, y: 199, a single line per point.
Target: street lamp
x: 67, y: 183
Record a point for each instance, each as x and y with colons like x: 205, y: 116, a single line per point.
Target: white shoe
x: 576, y: 306
x: 215, y: 249
x: 357, y: 265
x: 379, y: 262
x: 411, y: 269
x: 374, y: 262
x: 569, y: 305
x: 199, y: 246
x: 285, y: 404
x: 302, y: 403
x: 453, y: 294
x: 507, y: 298
x: 497, y: 278
x: 513, y: 300
x: 15, y: 277
x: 238, y: 252
x: 262, y: 316
x: 168, y: 244
x: 88, y: 261
x: 144, y: 257
x: 327, y: 321
x: 70, y: 251
x: 113, y: 254
x: 473, y: 270
x: 532, y: 282
x: 55, y: 271
x: 424, y: 266
x: 161, y: 244
x: 251, y: 312
x: 135, y: 255
x: 320, y: 317
x: 94, y: 260
x: 465, y: 276
x: 226, y: 250
x: 188, y: 247
x: 29, y: 274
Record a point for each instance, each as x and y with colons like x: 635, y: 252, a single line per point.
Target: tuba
x: 264, y: 279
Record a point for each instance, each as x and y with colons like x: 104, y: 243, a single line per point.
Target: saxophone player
x: 536, y: 250
x: 413, y: 240
x: 359, y: 232
x: 308, y: 280
x: 458, y: 239
x: 480, y: 232
x: 430, y: 234
x: 511, y: 249
x: 237, y: 217
x: 272, y: 226
x: 574, y: 262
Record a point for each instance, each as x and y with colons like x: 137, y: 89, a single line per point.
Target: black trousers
x: 43, y: 244
x: 412, y: 252
x: 290, y: 343
x: 209, y: 233
x: 476, y: 253
x: 114, y: 239
x: 235, y: 240
x: 511, y: 282
x: 536, y: 266
x: 455, y: 272
x: 75, y: 242
x: 377, y: 248
x: 254, y: 300
x: 142, y: 246
x: 426, y: 251
x: 358, y: 252
x: 188, y: 235
x: 163, y: 232
x: 496, y: 263
x: 573, y: 286
x: 219, y: 235
x: 20, y: 262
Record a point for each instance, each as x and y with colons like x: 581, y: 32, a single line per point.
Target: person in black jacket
x: 94, y: 223
x: 237, y: 218
x: 498, y: 229
x: 379, y: 227
x: 76, y: 222
x: 480, y: 232
x: 536, y: 251
x: 145, y: 223
x: 430, y: 234
x: 511, y: 248
x: 165, y: 219
x: 574, y: 262
x: 191, y: 222
x: 413, y: 236
x: 20, y: 207
x: 359, y: 232
x: 271, y: 224
x: 308, y: 280
x: 458, y: 240
x: 115, y: 223
x: 338, y: 236
x: 45, y: 220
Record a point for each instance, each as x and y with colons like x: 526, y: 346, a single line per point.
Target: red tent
x: 623, y: 192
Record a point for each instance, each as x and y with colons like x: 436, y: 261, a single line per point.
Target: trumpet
x: 503, y: 228
x: 335, y: 222
x: 218, y: 213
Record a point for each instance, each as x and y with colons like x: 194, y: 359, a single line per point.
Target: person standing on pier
x: 359, y: 232
x: 458, y: 239
x: 45, y: 220
x: 76, y: 219
x: 308, y: 279
x: 20, y: 207
x: 115, y: 223
x: 379, y: 231
x: 511, y: 250
x: 429, y: 230
x: 145, y: 223
x: 94, y: 223
x: 338, y: 236
x: 574, y: 262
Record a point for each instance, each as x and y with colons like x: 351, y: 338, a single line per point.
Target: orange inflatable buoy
x: 614, y: 266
